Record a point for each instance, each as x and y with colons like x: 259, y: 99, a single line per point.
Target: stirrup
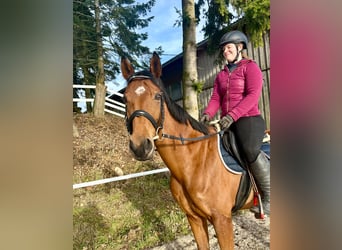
x: 257, y: 201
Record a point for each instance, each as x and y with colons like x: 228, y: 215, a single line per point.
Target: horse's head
x: 144, y: 107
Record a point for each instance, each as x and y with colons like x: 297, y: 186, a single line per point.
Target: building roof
x: 180, y: 55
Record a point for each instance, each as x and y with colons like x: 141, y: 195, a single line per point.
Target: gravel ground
x: 249, y: 233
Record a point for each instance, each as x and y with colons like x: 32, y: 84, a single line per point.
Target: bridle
x: 137, y: 113
x: 158, y: 125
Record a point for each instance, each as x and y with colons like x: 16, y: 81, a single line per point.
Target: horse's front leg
x: 224, y: 231
x: 198, y: 225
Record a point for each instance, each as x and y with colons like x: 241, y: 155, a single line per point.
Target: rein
x: 182, y: 139
x: 156, y: 125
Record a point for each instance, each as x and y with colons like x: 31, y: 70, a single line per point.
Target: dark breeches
x: 249, y: 133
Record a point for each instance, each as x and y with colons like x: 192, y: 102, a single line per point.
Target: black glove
x: 205, y: 118
x: 225, y: 122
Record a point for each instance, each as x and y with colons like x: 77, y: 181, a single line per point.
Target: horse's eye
x: 157, y: 96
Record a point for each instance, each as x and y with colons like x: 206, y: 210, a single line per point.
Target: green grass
x: 133, y: 214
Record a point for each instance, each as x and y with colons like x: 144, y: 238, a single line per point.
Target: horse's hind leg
x: 224, y: 231
x: 199, y: 227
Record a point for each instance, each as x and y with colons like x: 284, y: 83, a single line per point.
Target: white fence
x: 111, y: 106
x: 119, y: 178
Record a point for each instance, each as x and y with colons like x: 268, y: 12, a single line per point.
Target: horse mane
x: 176, y: 111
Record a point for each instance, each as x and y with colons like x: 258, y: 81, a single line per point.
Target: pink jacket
x: 237, y: 93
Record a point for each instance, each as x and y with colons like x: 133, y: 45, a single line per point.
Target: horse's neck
x: 175, y: 128
x: 177, y: 154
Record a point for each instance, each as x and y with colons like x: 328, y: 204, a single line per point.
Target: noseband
x: 148, y: 116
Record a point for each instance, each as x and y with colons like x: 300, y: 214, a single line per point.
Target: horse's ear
x: 155, y: 65
x: 126, y: 68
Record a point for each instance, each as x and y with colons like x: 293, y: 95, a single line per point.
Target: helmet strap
x: 237, y: 53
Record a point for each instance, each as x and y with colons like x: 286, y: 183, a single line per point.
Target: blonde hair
x: 244, y: 54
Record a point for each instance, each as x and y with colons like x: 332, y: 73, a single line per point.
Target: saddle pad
x: 228, y: 161
x: 266, y: 147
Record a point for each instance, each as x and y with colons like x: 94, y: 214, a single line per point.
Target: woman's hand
x: 205, y: 118
x: 225, y: 122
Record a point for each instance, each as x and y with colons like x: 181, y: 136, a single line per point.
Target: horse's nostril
x: 148, y: 144
x: 131, y: 145
x: 142, y: 151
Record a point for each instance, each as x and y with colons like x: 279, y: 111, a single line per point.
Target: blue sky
x: 162, y: 32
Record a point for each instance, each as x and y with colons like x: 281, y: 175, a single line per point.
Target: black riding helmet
x: 235, y: 37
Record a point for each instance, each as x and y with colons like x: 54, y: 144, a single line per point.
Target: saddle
x: 229, y: 144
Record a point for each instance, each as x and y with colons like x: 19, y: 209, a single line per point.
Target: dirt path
x: 249, y: 233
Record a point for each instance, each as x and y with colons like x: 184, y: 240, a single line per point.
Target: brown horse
x: 199, y: 182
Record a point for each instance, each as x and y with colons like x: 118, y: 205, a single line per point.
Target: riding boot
x: 260, y: 169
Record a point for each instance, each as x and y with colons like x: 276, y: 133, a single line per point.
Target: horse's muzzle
x: 143, y: 151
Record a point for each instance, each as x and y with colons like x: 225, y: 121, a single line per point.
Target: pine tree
x: 119, y: 23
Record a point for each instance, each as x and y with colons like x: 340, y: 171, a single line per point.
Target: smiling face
x: 230, y: 50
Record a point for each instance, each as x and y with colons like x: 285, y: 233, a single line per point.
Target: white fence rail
x: 111, y: 106
x: 119, y: 178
